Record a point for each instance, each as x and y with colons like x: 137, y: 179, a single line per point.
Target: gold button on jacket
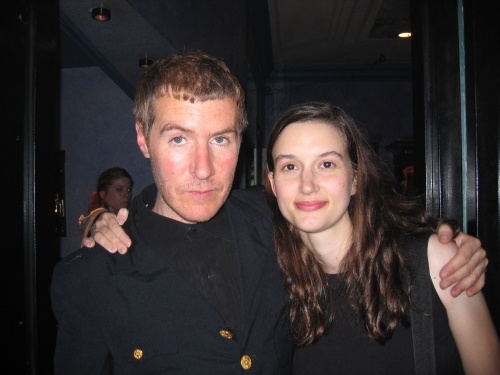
x: 226, y: 334
x: 137, y: 353
x: 246, y: 362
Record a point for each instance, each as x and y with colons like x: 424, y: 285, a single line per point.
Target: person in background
x: 113, y: 192
x: 350, y: 248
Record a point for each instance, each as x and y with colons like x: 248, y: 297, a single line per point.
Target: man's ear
x: 141, y: 139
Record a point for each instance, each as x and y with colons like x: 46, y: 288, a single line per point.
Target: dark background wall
x: 97, y: 132
x: 380, y: 105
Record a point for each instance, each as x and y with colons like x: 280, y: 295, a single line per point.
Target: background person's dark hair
x: 193, y: 76
x: 105, y: 180
x: 372, y: 280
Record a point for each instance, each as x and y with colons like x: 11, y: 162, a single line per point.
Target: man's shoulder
x: 88, y: 262
x: 250, y: 201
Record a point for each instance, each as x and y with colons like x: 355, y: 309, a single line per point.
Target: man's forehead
x: 187, y: 98
x: 214, y: 114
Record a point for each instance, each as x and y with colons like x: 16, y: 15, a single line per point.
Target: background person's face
x: 313, y: 179
x: 118, y: 195
x: 193, y: 149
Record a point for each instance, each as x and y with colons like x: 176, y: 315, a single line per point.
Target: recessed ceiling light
x: 145, y: 63
x: 405, y: 34
x: 101, y: 14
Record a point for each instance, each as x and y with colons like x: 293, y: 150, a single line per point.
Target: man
x: 199, y: 290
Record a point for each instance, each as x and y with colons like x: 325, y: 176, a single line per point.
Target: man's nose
x: 202, y: 166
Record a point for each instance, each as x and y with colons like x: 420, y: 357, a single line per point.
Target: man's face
x: 193, y: 149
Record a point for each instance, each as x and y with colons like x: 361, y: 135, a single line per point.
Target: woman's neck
x: 330, y: 245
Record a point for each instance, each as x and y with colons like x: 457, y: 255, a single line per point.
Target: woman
x: 344, y: 238
x: 113, y: 192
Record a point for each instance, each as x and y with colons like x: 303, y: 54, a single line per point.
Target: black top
x: 347, y: 349
x: 202, y: 253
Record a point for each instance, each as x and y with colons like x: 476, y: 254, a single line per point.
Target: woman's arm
x: 469, y: 318
x: 465, y: 271
x: 107, y: 232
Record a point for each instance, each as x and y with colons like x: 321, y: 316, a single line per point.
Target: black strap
x: 421, y: 319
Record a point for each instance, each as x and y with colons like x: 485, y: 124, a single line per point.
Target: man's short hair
x: 193, y: 76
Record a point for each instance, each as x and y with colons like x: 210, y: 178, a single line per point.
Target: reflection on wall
x: 97, y: 132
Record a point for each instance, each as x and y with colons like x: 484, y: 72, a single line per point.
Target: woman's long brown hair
x: 374, y: 270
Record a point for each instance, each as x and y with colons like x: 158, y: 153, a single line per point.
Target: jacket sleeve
x: 80, y: 347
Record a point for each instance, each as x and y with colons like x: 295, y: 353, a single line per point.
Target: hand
x: 466, y: 269
x: 108, y: 233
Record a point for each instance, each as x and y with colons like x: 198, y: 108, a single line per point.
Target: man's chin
x: 201, y: 213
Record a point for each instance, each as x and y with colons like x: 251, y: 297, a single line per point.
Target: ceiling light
x: 145, y: 63
x: 405, y: 34
x: 101, y: 14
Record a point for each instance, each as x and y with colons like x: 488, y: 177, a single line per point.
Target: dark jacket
x: 134, y: 314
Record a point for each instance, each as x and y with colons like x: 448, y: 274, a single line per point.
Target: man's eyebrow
x: 225, y: 131
x: 169, y: 127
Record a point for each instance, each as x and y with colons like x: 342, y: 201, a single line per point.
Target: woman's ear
x: 102, y: 194
x: 270, y: 177
x: 353, y: 186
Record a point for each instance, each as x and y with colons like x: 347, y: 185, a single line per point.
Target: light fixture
x: 145, y: 63
x: 101, y: 14
x: 405, y: 34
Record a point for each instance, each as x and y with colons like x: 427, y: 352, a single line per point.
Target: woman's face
x: 313, y: 179
x: 118, y: 195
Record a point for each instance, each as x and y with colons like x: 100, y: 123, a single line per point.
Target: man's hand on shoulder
x: 465, y: 271
x: 108, y: 233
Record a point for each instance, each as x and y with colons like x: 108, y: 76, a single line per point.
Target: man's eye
x: 328, y: 164
x: 220, y: 140
x: 177, y: 140
x: 289, y: 167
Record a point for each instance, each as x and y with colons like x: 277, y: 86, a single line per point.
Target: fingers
x: 468, y: 246
x: 473, y: 283
x: 109, y: 234
x: 88, y: 242
x: 445, y: 233
x: 472, y: 243
x: 470, y: 277
x: 102, y: 240
x: 122, y: 216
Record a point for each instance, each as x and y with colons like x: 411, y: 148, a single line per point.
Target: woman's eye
x: 328, y: 164
x: 289, y: 167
